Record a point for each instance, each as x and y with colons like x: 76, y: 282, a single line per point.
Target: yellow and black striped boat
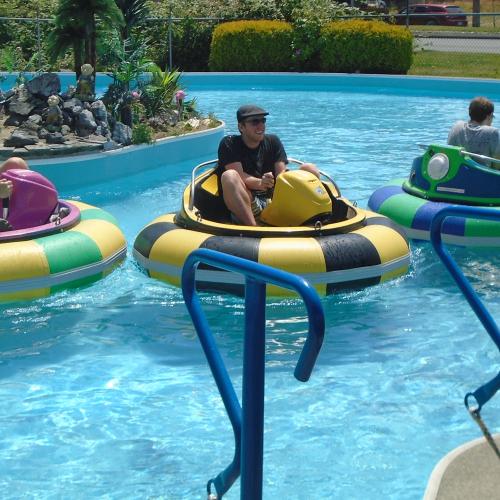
x: 310, y: 230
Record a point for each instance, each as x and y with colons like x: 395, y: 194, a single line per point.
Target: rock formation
x: 38, y: 120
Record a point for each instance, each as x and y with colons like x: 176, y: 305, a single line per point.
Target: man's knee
x: 310, y: 167
x: 230, y: 178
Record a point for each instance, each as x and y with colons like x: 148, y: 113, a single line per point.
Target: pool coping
x: 471, y: 467
x: 74, y: 171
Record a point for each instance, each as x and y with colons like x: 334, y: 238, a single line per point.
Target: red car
x: 433, y: 14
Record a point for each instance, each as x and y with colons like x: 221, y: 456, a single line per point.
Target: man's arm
x: 5, y: 188
x: 253, y: 183
x: 279, y: 167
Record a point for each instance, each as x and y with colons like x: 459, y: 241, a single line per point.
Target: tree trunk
x: 77, y: 59
x: 90, y: 48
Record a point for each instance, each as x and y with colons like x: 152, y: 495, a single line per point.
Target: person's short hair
x: 12, y: 163
x: 248, y: 111
x: 480, y: 108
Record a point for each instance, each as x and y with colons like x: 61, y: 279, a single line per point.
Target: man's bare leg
x: 237, y: 197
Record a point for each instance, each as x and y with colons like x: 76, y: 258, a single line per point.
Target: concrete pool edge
x: 469, y: 471
x: 352, y: 82
x: 385, y: 83
x: 69, y: 172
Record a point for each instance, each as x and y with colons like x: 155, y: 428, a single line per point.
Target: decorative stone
x: 20, y: 138
x: 45, y: 85
x: 55, y: 138
x: 122, y: 134
x: 69, y: 93
x: 37, y: 119
x: 193, y: 122
x: 96, y: 139
x: 68, y: 119
x: 110, y: 145
x: 32, y: 125
x: 99, y: 111
x: 22, y: 93
x: 20, y: 107
x: 85, y: 123
x: 72, y: 103
x: 14, y: 120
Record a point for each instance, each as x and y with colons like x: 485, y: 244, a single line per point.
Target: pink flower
x: 179, y: 95
x: 136, y: 95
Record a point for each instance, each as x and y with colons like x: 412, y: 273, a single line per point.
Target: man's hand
x: 267, y: 180
x: 5, y: 188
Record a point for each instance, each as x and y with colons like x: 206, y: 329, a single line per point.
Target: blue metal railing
x: 488, y: 390
x: 463, y: 283
x: 247, y: 420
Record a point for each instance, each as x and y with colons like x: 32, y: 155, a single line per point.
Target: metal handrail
x: 480, y: 157
x: 484, y: 393
x: 463, y: 283
x: 193, y: 177
x: 468, y: 153
x: 247, y: 420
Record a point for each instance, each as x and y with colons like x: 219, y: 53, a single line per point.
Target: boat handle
x: 468, y: 153
x: 480, y: 157
x: 194, y: 173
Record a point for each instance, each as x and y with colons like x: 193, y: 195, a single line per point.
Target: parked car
x: 433, y: 14
x: 376, y: 6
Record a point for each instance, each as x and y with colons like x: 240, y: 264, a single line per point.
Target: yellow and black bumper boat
x: 308, y: 229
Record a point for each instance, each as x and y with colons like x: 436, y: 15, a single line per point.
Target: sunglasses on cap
x: 256, y: 121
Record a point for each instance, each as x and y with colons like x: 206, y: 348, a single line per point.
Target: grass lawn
x: 456, y: 64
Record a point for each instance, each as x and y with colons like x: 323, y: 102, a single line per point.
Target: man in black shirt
x: 249, y: 164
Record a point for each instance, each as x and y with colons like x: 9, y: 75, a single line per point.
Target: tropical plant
x: 126, y: 77
x: 158, y: 93
x: 12, y: 61
x: 134, y: 13
x: 77, y: 24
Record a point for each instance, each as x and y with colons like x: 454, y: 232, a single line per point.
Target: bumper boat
x: 309, y: 229
x: 47, y: 244
x: 443, y: 176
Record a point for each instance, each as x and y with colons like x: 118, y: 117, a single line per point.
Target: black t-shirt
x: 256, y: 162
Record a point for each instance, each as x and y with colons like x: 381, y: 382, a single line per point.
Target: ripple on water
x: 105, y: 390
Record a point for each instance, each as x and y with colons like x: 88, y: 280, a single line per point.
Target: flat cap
x: 249, y: 110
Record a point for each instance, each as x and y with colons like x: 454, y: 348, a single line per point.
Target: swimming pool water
x: 105, y: 392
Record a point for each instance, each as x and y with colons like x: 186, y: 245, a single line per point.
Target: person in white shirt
x: 477, y: 135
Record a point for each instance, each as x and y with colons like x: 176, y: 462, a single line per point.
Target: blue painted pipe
x: 248, y: 420
x: 463, y: 283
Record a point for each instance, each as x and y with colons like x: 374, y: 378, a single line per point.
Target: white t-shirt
x: 479, y: 139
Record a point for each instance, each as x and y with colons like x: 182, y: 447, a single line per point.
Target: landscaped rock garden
x: 38, y: 120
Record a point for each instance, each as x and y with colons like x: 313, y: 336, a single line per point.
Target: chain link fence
x: 176, y: 48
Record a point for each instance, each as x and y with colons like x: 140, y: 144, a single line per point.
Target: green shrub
x: 366, y: 47
x: 142, y: 133
x: 308, y: 17
x: 191, y: 44
x: 251, y: 46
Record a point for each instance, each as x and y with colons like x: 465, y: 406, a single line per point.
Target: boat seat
x: 208, y: 200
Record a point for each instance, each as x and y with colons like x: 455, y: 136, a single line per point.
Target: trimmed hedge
x: 366, y: 47
x: 251, y: 46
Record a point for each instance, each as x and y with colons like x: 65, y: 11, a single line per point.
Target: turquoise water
x: 105, y: 392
